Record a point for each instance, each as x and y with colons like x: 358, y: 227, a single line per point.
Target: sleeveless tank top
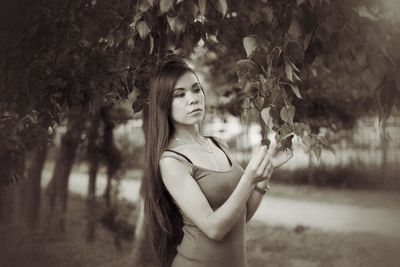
x: 196, y: 249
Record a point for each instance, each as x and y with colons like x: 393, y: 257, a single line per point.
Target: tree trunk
x: 384, y: 148
x: 58, y: 186
x: 8, y: 214
x: 141, y: 251
x: 31, y: 187
x: 94, y: 159
x: 108, y: 152
x: 310, y: 175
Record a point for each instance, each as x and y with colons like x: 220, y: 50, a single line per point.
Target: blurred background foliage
x: 316, y: 76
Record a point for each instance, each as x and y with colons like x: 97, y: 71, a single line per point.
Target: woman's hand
x: 278, y: 155
x: 260, y: 167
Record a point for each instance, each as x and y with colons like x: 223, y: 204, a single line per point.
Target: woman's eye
x: 180, y: 95
x: 197, y: 90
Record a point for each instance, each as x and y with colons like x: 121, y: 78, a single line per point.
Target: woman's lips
x: 195, y: 110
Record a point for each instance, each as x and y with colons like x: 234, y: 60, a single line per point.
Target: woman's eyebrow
x: 181, y: 88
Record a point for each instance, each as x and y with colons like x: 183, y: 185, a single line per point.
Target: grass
x: 277, y: 246
x: 267, y: 245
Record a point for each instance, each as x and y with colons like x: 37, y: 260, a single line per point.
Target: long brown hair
x: 163, y: 217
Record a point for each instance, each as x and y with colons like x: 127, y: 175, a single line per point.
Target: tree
x: 75, y: 56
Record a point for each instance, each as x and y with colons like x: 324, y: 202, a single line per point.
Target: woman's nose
x: 193, y: 99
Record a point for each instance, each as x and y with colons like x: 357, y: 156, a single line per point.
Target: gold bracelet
x: 261, y: 190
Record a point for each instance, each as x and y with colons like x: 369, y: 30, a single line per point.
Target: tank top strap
x: 221, y: 145
x: 180, y: 154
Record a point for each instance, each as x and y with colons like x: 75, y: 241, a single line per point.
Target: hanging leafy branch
x: 69, y: 58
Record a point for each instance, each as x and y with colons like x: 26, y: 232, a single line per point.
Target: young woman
x: 197, y: 198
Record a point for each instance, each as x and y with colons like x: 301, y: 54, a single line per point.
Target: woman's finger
x: 268, y: 172
x: 282, y: 157
x: 266, y: 161
x: 258, y: 157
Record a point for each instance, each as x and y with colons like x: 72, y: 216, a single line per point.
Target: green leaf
x: 270, y: 13
x: 144, y: 6
x: 192, y: 8
x: 151, y: 40
x: 180, y: 24
x: 222, y: 7
x: 302, y: 129
x: 172, y: 23
x: 250, y: 44
x: 325, y: 144
x: 299, y: 2
x: 296, y: 78
x: 295, y: 28
x: 285, y: 131
x: 267, y: 119
x: 142, y: 29
x: 295, y: 68
x: 109, y: 40
x: 276, y: 54
x: 251, y: 88
x: 289, y: 72
x: 165, y: 5
x: 245, y: 116
x: 376, y: 64
x: 307, y: 40
x: 131, y: 42
x: 296, y: 91
x: 258, y: 102
x: 136, y: 18
x: 306, y: 140
x: 246, y: 103
x: 202, y: 6
x: 287, y: 114
x: 246, y: 69
x: 84, y: 43
x: 317, y: 151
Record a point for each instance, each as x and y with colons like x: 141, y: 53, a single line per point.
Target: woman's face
x: 187, y: 100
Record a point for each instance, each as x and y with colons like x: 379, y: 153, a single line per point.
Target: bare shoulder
x: 171, y: 166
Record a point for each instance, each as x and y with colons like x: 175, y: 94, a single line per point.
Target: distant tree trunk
x: 11, y: 196
x: 310, y: 174
x: 384, y: 148
x: 31, y: 187
x: 8, y: 210
x: 141, y: 252
x: 108, y: 152
x: 58, y: 186
x: 94, y: 159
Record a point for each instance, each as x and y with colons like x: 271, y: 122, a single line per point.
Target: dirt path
x: 284, y: 211
x: 329, y: 217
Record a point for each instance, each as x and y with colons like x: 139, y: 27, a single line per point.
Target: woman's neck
x: 188, y: 133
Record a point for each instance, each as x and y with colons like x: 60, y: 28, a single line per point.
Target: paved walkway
x: 283, y: 211
x: 329, y: 217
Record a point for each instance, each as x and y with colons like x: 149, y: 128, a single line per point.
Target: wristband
x: 261, y: 190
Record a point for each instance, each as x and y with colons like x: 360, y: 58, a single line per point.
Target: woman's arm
x: 278, y: 158
x: 254, y: 200
x: 189, y: 197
